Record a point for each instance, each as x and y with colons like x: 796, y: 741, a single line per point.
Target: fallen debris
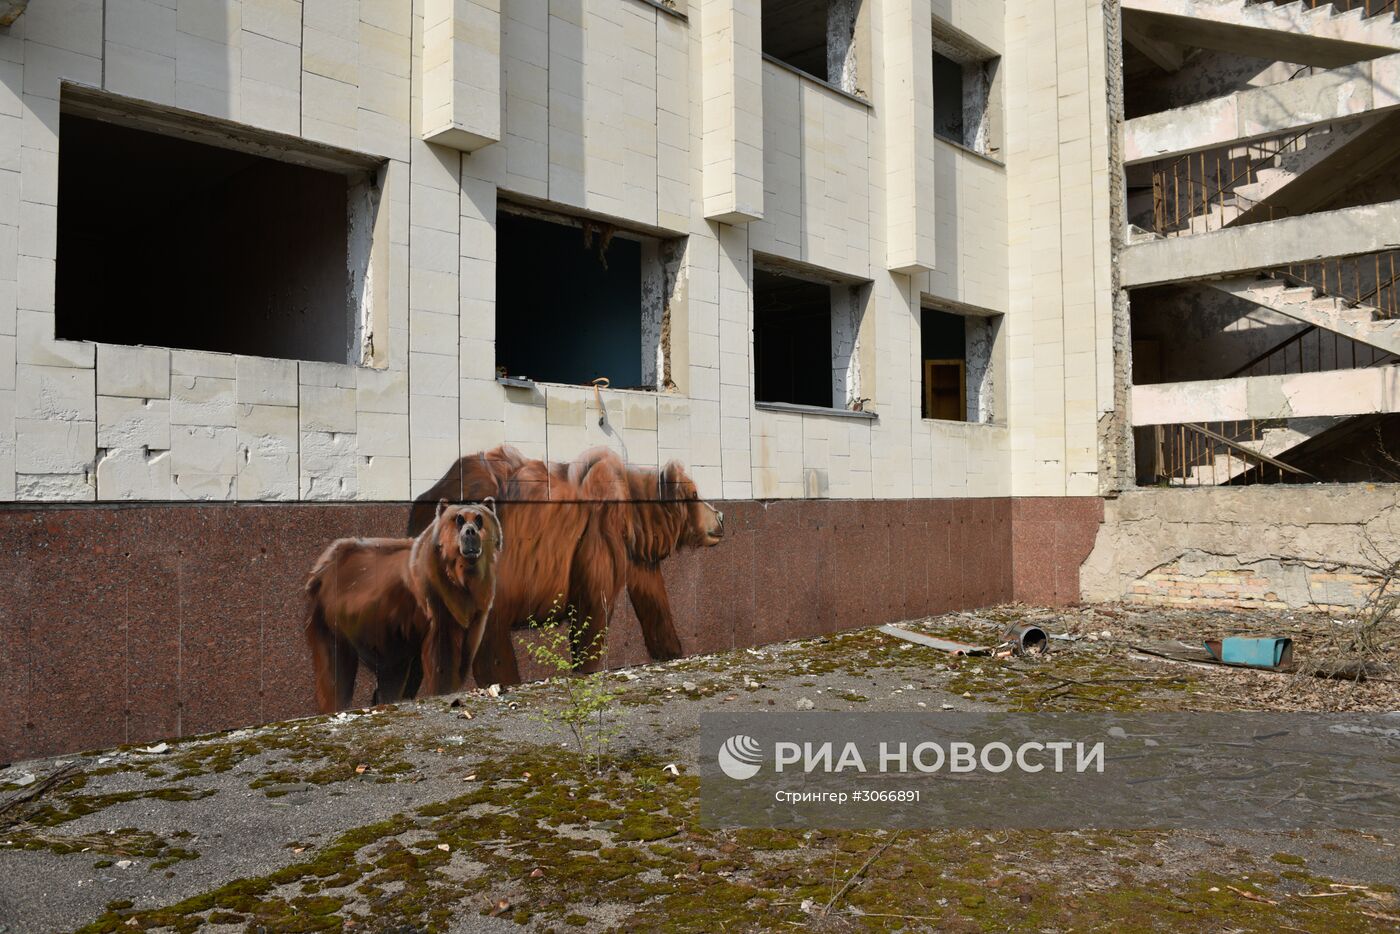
x: 860, y: 873
x: 1019, y: 639
x: 1025, y: 639
x: 1258, y: 652
x: 59, y: 776
x: 1242, y: 893
x: 943, y: 645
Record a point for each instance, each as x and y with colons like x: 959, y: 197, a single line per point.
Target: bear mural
x: 578, y: 532
x: 583, y: 530
x: 412, y: 610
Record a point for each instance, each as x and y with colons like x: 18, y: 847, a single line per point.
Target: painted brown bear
x: 579, y: 531
x: 413, y: 610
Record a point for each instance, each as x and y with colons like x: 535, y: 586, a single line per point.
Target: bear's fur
x: 413, y: 610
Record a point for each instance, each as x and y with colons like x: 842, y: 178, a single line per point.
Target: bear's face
x: 704, y: 524
x: 469, y: 533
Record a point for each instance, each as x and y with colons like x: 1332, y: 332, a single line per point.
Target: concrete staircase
x: 1226, y: 464
x: 1289, y: 32
x: 1273, y: 178
x: 1360, y: 323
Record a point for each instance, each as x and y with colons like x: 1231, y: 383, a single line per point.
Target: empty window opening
x: 170, y: 241
x: 577, y: 300
x: 805, y: 336
x: 814, y: 36
x: 957, y: 371
x: 965, y: 96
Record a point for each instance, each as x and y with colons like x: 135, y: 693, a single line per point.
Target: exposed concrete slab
x: 1299, y: 395
x: 1259, y: 113
x: 1353, y: 231
x: 1361, y: 323
x: 1163, y: 52
x: 1288, y: 32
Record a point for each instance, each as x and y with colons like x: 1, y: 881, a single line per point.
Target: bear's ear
x: 668, y: 481
x: 442, y: 504
x: 489, y: 504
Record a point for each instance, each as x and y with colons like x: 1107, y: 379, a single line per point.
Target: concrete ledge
x: 793, y: 407
x: 1342, y: 93
x: 1348, y: 232
x: 1302, y: 395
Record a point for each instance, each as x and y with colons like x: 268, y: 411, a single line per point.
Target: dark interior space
x: 947, y: 98
x: 794, y: 32
x: 943, y: 338
x: 792, y: 340
x: 174, y: 243
x: 568, y: 303
x: 1183, y: 333
x: 1362, y: 449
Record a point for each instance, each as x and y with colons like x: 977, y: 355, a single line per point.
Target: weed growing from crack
x: 587, y: 698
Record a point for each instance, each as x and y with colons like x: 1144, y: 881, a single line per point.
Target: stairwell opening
x: 1230, y: 388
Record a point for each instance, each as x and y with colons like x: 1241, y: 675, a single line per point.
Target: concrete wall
x: 605, y: 111
x: 1267, y: 547
x: 1060, y: 321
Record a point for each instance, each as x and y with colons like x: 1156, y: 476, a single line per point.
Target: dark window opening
x: 814, y: 36
x: 944, y: 339
x: 792, y: 340
x: 964, y: 97
x: 795, y: 31
x: 957, y: 371
x: 578, y: 301
x: 947, y: 98
x: 171, y: 242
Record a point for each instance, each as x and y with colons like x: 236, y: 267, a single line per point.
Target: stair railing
x: 1371, y: 279
x: 1184, y: 189
x: 1295, y: 348
x: 1186, y: 450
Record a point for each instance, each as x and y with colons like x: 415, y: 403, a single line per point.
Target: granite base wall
x: 133, y: 623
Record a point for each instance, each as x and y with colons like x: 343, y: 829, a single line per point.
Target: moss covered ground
x: 479, y: 816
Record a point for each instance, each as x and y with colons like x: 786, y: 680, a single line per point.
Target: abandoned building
x: 950, y: 302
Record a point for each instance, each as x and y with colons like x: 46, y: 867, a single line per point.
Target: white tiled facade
x: 668, y: 120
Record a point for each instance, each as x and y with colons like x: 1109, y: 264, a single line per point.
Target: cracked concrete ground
x: 472, y: 813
